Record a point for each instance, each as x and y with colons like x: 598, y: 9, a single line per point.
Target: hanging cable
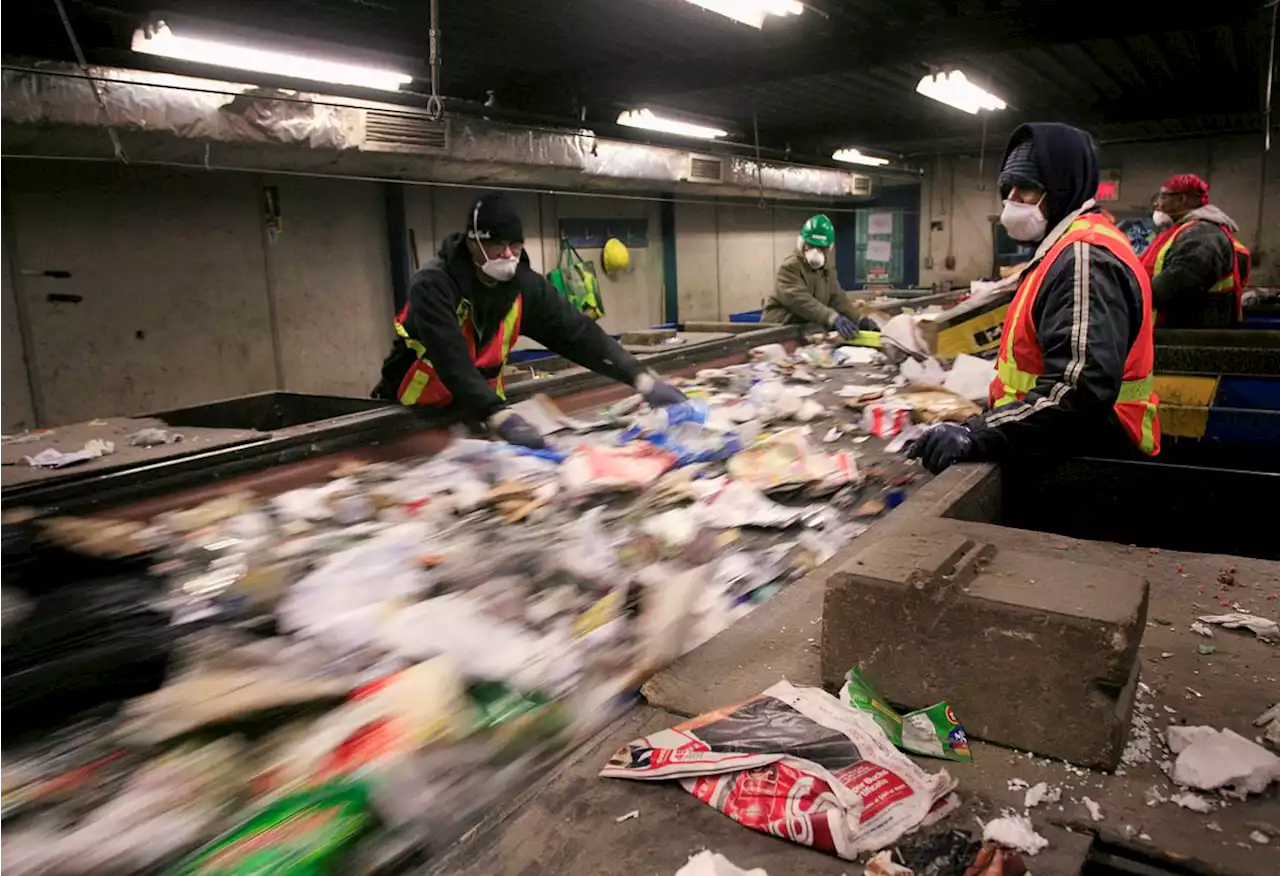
x: 116, y: 145
x: 435, y: 107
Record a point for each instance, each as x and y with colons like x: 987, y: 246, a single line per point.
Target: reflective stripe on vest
x: 1230, y: 283
x: 1136, y: 403
x: 422, y: 374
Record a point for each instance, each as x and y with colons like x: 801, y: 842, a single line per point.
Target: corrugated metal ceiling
x: 843, y: 73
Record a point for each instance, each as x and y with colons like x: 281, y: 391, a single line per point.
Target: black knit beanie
x: 493, y: 218
x: 1021, y: 169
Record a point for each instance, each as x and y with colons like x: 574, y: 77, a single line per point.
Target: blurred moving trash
x: 788, y: 759
x: 352, y: 671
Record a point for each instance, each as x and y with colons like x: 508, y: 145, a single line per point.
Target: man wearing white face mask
x: 1073, y: 376
x: 466, y: 308
x: 807, y: 290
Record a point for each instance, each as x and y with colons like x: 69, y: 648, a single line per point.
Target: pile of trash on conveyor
x: 348, y: 674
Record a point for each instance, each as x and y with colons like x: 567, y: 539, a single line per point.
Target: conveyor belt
x: 368, y: 427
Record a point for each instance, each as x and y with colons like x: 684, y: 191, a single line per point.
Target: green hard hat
x: 818, y: 231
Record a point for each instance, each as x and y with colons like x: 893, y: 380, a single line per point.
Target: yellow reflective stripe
x: 1147, y: 444
x: 1136, y: 390
x: 1226, y: 284
x: 411, y: 343
x: 508, y: 333
x: 417, y: 384
x: 865, y: 339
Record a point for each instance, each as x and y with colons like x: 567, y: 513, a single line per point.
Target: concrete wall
x: 727, y: 256
x: 185, y: 297
x: 331, y: 277
x: 1231, y: 165
x: 16, y: 389
x: 169, y: 269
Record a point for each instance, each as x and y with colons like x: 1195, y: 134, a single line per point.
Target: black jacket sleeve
x: 432, y: 320
x: 553, y: 322
x: 1087, y: 314
x: 1200, y: 256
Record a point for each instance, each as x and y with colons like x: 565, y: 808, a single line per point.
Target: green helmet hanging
x: 818, y: 231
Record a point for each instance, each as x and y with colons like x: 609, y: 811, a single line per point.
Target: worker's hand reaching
x: 515, y: 429
x: 657, y: 393
x: 867, y: 324
x: 943, y: 445
x: 845, y: 326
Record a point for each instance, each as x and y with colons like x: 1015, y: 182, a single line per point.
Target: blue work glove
x: 944, y: 445
x: 515, y: 429
x: 845, y: 326
x: 657, y: 393
x: 867, y: 324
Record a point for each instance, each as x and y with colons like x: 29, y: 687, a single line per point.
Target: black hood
x: 1067, y: 163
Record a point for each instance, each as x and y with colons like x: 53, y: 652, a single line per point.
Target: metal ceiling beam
x: 933, y: 43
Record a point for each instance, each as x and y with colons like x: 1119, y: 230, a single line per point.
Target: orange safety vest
x: 1021, y: 362
x: 422, y: 386
x: 1231, y: 284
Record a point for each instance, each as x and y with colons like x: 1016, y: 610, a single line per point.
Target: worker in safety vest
x: 1073, y: 373
x: 464, y: 312
x: 1198, y: 268
x: 807, y: 290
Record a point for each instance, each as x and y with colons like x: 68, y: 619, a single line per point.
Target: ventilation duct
x: 52, y: 112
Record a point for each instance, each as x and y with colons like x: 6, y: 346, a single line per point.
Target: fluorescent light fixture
x: 853, y: 156
x: 643, y: 118
x: 752, y: 12
x: 162, y: 41
x: 955, y: 90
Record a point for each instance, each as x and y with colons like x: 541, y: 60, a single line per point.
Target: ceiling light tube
x: 643, y: 118
x: 161, y: 40
x: 853, y: 156
x: 751, y: 12
x: 954, y: 89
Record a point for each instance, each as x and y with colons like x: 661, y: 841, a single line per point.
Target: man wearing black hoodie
x: 1073, y: 375
x: 464, y: 312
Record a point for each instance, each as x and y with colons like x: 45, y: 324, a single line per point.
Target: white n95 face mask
x: 815, y: 257
x: 1024, y: 222
x: 1161, y: 218
x: 501, y: 270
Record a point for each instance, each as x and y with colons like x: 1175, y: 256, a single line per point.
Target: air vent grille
x: 861, y: 185
x: 704, y: 169
x: 404, y: 132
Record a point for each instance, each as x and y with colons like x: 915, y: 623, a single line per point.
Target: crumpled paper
x: 1264, y: 628
x: 709, y: 863
x: 153, y: 437
x: 50, y: 458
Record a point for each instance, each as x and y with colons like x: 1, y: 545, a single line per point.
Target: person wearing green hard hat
x: 807, y: 290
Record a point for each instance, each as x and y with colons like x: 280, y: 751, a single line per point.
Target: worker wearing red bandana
x: 1198, y: 267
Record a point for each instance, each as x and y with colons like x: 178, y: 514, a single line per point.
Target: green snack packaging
x: 933, y: 731
x: 304, y: 834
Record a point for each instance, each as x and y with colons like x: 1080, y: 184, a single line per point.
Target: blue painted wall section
x: 671, y: 295
x: 904, y: 200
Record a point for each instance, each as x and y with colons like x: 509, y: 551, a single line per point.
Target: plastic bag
x: 796, y: 763
x: 575, y: 278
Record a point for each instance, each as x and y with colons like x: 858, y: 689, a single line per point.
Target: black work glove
x: 515, y: 429
x: 943, y: 445
x: 657, y: 393
x: 845, y: 326
x: 867, y: 324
